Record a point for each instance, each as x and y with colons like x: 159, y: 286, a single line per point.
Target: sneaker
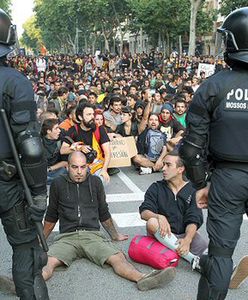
x: 7, y: 285
x: 144, y: 171
x: 156, y: 278
x: 113, y: 171
x: 239, y: 274
x: 195, y: 264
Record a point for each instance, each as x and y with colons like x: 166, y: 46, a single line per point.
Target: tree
x: 31, y: 36
x: 6, y: 6
x: 227, y: 6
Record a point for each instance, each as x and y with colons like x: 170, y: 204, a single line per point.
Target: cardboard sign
x: 207, y: 68
x: 122, y: 150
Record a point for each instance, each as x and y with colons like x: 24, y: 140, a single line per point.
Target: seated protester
x: 171, y: 127
x: 90, y: 139
x: 173, y: 86
x: 129, y: 127
x: 174, y: 223
x: 112, y: 116
x: 70, y: 119
x: 92, y: 98
x: 180, y: 111
x: 50, y: 132
x: 44, y: 116
x: 151, y: 146
x: 78, y: 201
x: 99, y: 121
x: 132, y: 100
x: 139, y: 110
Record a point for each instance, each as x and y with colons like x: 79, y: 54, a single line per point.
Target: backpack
x: 147, y: 250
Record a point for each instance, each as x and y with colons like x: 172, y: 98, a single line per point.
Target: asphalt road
x: 86, y: 281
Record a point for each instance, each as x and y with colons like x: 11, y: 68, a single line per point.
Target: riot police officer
x: 17, y: 98
x: 217, y: 127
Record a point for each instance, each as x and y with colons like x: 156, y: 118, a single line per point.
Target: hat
x: 168, y: 106
x: 139, y: 104
x: 72, y: 97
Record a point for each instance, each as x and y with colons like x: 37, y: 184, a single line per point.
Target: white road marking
x: 128, y: 220
x: 129, y: 183
x: 125, y: 197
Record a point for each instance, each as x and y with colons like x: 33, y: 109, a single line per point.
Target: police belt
x: 231, y: 165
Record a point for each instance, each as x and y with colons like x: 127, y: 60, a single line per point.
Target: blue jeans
x: 53, y: 174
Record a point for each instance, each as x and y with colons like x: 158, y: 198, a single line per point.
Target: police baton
x: 28, y: 195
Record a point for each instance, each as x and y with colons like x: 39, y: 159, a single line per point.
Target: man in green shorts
x: 78, y: 201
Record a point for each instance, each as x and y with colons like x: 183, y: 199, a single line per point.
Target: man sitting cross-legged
x: 171, y: 212
x: 78, y: 201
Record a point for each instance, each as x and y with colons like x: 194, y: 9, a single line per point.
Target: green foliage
x: 31, y: 36
x: 6, y: 6
x: 96, y: 20
x: 227, y: 6
x: 205, y: 19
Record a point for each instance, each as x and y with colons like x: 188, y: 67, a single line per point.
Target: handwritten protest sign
x: 122, y: 150
x: 207, y: 68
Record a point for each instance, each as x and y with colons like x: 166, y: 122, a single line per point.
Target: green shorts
x: 93, y: 245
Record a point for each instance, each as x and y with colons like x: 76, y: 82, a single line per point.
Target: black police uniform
x: 218, y: 118
x: 17, y: 98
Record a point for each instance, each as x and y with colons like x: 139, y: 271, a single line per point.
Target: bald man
x: 78, y: 201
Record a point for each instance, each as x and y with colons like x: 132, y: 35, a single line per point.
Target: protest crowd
x: 145, y: 96
x: 85, y: 103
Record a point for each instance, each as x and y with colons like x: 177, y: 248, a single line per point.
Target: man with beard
x: 169, y: 126
x: 151, y: 145
x: 180, y: 111
x: 112, y: 116
x: 91, y: 140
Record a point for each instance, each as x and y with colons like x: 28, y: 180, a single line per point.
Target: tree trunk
x: 121, y: 43
x: 93, y: 43
x: 141, y: 40
x: 85, y: 43
x: 159, y: 41
x: 195, y: 4
x: 167, y: 50
x: 180, y: 45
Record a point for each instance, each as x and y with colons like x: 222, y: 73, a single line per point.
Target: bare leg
x: 142, y: 161
x: 52, y: 263
x: 145, y: 282
x: 123, y: 268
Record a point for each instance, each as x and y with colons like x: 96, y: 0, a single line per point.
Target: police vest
x: 228, y: 138
x: 16, y: 95
x: 5, y: 150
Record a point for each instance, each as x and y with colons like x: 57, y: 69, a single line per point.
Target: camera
x: 91, y: 156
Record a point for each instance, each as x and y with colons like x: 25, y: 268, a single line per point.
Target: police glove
x: 38, y: 208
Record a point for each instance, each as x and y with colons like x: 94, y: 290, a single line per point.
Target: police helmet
x: 7, y: 34
x: 234, y: 32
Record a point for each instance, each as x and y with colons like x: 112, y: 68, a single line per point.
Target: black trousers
x: 28, y: 257
x: 228, y: 198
